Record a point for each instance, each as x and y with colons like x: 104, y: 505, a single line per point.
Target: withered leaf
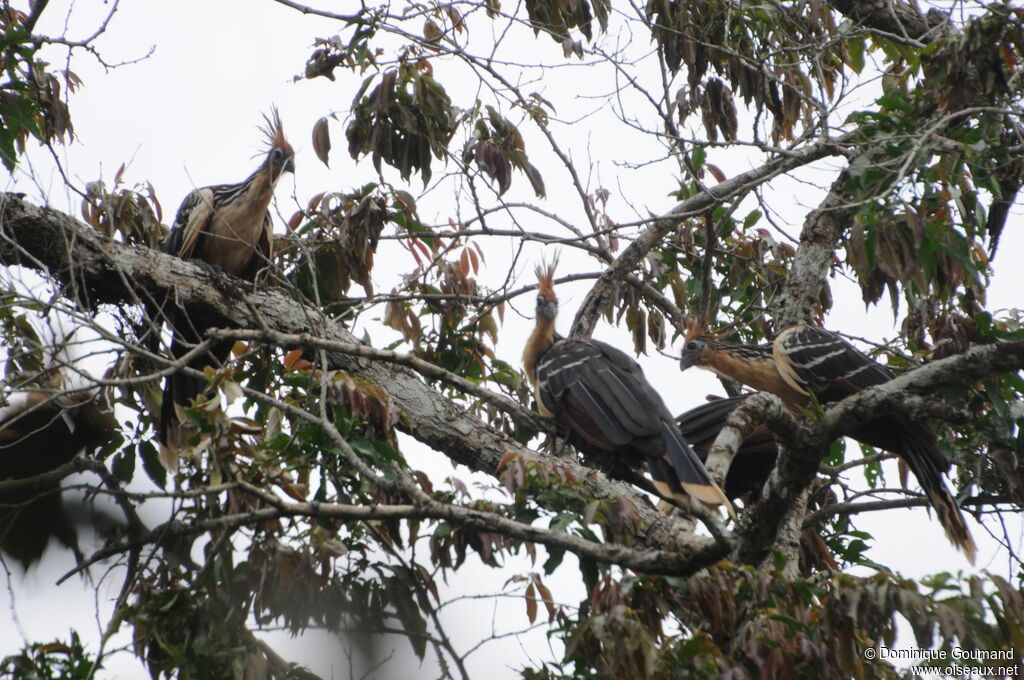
x: 322, y: 141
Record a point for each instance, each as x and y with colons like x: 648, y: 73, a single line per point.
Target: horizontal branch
x: 685, y: 557
x: 425, y: 368
x: 915, y: 501
x: 92, y: 269
x: 958, y: 371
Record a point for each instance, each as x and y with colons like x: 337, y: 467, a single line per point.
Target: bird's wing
x: 814, y: 360
x: 582, y: 381
x: 193, y: 219
x: 833, y: 369
x: 603, y: 395
x: 264, y: 249
x: 598, y: 401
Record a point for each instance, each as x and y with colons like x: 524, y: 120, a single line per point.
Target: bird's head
x: 547, y: 303
x: 695, y: 343
x: 281, y: 155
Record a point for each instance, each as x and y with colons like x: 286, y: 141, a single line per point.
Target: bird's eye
x: 693, y: 345
x: 540, y: 300
x: 277, y: 152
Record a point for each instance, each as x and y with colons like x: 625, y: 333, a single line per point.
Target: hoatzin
x: 41, y: 429
x: 755, y: 458
x: 806, y: 361
x: 601, y: 397
x: 226, y: 226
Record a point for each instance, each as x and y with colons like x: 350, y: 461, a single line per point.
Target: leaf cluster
x: 404, y: 121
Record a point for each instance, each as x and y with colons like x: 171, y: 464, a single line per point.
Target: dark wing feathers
x: 626, y: 399
x: 595, y: 422
x: 832, y: 368
x: 662, y: 472
x: 702, y: 424
x: 926, y: 462
x: 610, y: 397
x: 174, y: 240
x: 603, y: 397
x: 756, y: 456
x: 825, y: 364
x: 684, y: 459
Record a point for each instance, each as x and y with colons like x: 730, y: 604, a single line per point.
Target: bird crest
x: 697, y: 329
x: 546, y: 278
x: 274, y: 132
x: 694, y: 330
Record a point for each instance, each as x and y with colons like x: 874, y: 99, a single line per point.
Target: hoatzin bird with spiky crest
x: 806, y: 362
x: 226, y: 226
x: 601, y: 397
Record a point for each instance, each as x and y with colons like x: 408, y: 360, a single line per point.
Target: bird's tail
x: 690, y: 471
x: 180, y: 390
x: 703, y: 423
x: 921, y: 454
x: 755, y: 458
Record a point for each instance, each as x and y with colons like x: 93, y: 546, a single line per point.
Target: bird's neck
x: 540, y: 340
x: 260, y: 185
x: 753, y: 367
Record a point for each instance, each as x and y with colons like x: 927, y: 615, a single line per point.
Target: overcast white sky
x: 186, y: 116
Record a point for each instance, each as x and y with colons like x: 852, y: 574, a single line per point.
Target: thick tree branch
x: 93, y: 269
x: 698, y: 550
x: 961, y: 370
x: 819, y: 240
x: 421, y: 366
x: 896, y: 20
x: 800, y: 454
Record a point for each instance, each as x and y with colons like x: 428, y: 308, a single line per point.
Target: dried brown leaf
x: 322, y: 141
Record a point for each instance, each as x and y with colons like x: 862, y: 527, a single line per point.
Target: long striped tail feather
x: 919, y: 457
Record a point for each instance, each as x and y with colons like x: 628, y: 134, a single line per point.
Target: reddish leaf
x: 431, y: 31
x: 716, y: 171
x: 456, y: 18
x: 531, y: 604
x: 291, y: 357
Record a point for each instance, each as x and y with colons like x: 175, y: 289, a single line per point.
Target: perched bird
x: 226, y: 226
x: 601, y: 397
x: 41, y: 429
x: 755, y: 458
x: 806, y: 361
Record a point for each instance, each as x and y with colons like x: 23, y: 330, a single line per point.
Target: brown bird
x: 41, y: 429
x: 806, y: 361
x: 226, y: 226
x: 601, y: 397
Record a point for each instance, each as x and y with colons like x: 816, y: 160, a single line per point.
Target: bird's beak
x: 289, y: 165
x: 549, y: 310
x: 687, y: 360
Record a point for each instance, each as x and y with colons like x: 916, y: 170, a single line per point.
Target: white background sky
x: 186, y: 116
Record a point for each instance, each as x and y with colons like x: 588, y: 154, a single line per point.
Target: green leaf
x: 151, y: 464
x: 123, y: 466
x: 855, y: 49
